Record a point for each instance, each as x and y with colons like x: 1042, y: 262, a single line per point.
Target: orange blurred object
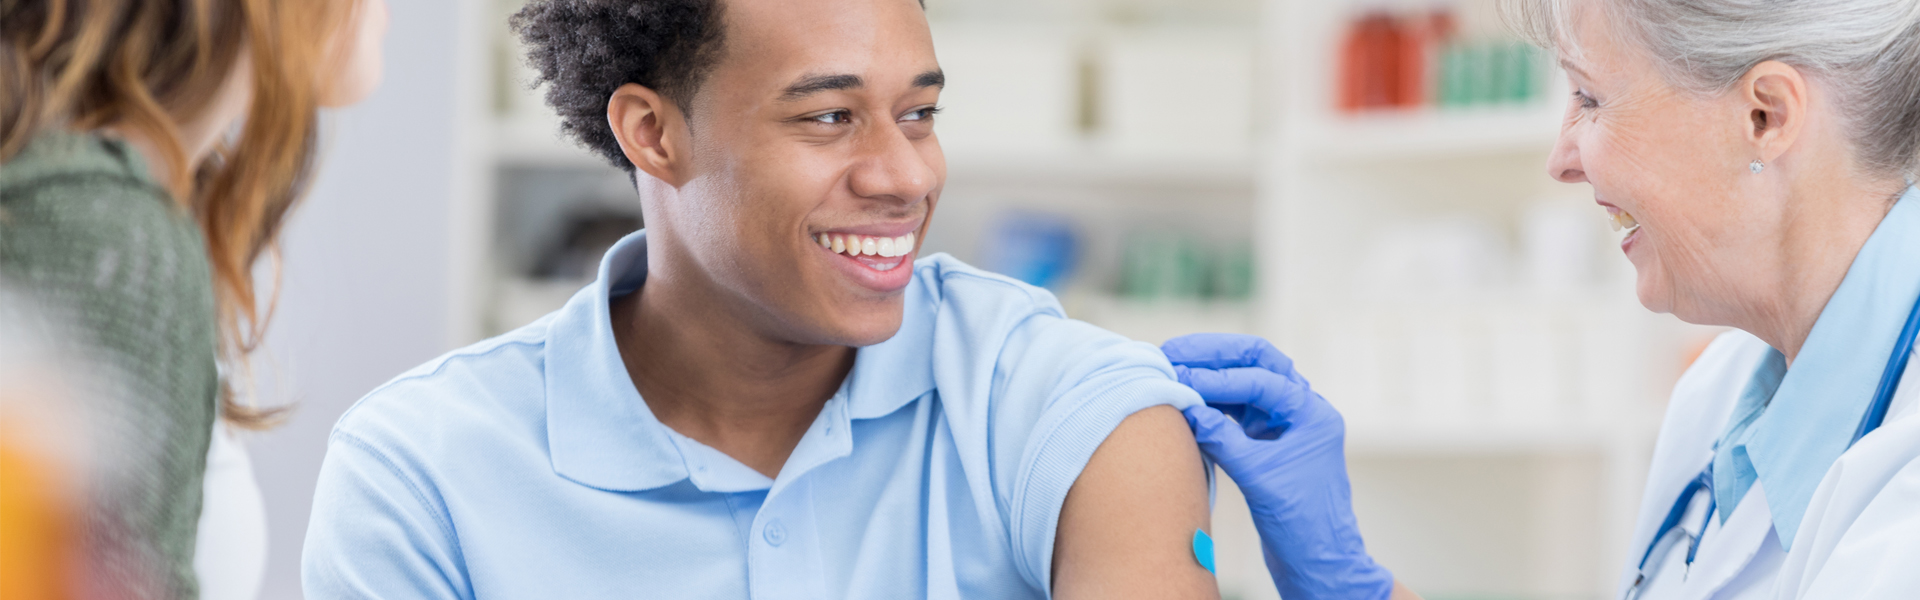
x: 1369, y: 64
x: 1391, y: 62
x: 38, y: 536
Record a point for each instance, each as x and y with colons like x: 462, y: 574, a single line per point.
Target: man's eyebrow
x: 813, y: 84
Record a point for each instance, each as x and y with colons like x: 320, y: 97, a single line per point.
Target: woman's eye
x: 838, y: 117
x: 1585, y: 100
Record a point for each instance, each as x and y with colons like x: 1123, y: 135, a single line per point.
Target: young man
x: 763, y: 395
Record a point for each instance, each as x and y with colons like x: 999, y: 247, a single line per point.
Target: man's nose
x: 892, y: 168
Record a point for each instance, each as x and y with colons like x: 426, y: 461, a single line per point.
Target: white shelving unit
x: 1499, y: 432
x: 1467, y: 484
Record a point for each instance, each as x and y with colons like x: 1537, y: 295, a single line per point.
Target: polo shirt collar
x: 1812, y: 416
x: 601, y: 434
x: 890, y: 374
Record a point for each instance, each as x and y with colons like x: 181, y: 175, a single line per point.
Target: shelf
x: 1089, y: 166
x: 1389, y: 440
x: 1430, y: 134
x: 1158, y: 321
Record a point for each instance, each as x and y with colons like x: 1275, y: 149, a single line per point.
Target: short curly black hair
x: 585, y: 49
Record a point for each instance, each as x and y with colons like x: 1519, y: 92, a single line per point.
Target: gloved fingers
x: 1220, y: 437
x: 1225, y: 351
x: 1277, y: 395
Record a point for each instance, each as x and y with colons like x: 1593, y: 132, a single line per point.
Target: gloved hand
x: 1286, y: 452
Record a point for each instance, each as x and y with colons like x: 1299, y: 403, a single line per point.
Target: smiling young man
x: 764, y: 394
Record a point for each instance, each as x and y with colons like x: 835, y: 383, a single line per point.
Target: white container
x: 1349, y: 365
x: 1559, y: 245
x: 1012, y: 91
x: 1177, y: 93
x: 1445, y: 368
x: 1528, y: 360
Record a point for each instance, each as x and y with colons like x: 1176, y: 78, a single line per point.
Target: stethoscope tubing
x: 1890, y: 378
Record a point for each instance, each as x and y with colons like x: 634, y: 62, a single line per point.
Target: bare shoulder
x: 1126, y: 529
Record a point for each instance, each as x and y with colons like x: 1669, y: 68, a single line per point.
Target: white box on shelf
x: 1528, y: 355
x: 1177, y: 92
x: 1347, y: 360
x: 1012, y: 90
x: 1445, y: 370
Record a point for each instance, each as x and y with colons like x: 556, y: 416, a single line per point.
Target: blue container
x: 1039, y: 248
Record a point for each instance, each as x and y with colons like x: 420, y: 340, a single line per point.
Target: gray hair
x: 1867, y: 50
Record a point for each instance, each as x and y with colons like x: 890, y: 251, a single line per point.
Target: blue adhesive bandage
x: 1203, y: 550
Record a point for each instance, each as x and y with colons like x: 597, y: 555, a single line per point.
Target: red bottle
x: 1368, y: 64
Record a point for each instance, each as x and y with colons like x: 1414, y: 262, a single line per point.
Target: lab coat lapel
x: 1702, y: 402
x: 1726, y: 552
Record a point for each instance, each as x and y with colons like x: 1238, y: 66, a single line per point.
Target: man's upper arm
x: 373, y: 533
x: 1108, y: 477
x: 1126, y: 530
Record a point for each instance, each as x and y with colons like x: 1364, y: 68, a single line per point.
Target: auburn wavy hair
x: 148, y: 65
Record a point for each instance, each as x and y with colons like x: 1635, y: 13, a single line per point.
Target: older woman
x: 1759, y: 156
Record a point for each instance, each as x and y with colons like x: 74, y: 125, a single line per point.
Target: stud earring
x: 1756, y: 166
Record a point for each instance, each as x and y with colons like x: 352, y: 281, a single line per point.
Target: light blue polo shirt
x: 527, y: 466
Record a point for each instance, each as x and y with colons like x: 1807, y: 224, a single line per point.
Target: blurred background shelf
x: 1432, y: 133
x: 538, y: 143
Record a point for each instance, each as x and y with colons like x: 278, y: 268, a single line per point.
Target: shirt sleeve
x: 1067, y: 385
x: 376, y: 533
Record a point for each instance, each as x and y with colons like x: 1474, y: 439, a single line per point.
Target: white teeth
x: 1622, y: 221
x: 860, y: 245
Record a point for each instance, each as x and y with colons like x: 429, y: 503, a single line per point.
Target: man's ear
x: 652, y: 132
x: 1775, y: 96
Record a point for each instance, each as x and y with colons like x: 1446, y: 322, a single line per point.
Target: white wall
x: 371, y: 268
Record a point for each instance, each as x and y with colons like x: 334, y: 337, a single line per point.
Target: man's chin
x: 871, y: 328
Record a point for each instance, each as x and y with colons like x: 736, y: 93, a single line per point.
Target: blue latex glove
x: 1286, y: 452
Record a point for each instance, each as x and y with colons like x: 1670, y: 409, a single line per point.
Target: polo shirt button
x: 775, y: 533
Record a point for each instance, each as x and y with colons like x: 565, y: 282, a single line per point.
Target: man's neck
x: 706, y: 372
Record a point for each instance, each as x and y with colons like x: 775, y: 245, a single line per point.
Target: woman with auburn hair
x: 149, y: 152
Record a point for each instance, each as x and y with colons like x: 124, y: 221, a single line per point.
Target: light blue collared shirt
x: 1790, y: 424
x: 527, y: 466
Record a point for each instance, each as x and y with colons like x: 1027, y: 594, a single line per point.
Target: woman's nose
x: 1564, y: 163
x: 892, y: 168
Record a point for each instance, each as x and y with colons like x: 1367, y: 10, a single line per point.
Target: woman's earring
x: 1756, y: 166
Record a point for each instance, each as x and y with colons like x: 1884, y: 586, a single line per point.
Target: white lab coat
x: 1860, y: 538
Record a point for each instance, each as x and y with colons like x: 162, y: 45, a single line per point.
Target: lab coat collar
x: 601, y: 433
x: 1812, y: 417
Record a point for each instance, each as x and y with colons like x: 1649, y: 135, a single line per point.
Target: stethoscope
x: 1876, y: 413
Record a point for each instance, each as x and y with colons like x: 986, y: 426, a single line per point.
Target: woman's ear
x: 1775, y: 96
x: 652, y: 132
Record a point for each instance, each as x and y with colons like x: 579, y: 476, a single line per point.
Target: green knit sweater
x: 87, y: 234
